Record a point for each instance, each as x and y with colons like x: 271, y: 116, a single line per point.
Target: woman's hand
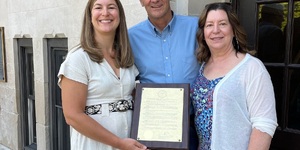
x: 131, y: 144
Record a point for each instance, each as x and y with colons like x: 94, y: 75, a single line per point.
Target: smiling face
x: 156, y: 9
x: 105, y: 16
x: 218, y: 31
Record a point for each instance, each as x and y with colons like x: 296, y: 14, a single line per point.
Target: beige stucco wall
x: 40, y: 19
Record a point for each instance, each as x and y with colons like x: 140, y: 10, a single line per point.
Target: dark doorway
x: 60, y: 132
x: 27, y: 98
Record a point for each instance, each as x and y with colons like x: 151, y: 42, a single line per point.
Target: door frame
x: 58, y: 141
x: 22, y: 48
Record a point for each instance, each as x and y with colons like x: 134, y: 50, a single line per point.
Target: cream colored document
x: 161, y: 114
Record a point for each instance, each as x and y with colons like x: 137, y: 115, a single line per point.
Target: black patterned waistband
x: 118, y: 106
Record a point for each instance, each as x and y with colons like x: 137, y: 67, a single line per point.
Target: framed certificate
x: 161, y: 115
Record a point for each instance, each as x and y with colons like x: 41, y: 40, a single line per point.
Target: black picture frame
x: 162, y: 145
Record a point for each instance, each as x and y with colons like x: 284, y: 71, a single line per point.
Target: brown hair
x: 123, y: 52
x: 203, y: 52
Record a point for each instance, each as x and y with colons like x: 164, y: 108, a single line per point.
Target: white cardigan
x: 243, y: 99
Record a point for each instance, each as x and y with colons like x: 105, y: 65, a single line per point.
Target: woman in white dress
x: 97, y: 79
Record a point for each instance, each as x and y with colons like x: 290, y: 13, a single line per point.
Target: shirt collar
x: 169, y: 28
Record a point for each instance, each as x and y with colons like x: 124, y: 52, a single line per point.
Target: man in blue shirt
x: 164, y: 48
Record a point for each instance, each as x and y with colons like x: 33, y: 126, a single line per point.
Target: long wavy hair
x: 123, y: 53
x: 203, y: 52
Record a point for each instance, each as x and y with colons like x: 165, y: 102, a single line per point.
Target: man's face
x: 156, y: 9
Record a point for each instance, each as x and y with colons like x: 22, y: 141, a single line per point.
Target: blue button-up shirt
x: 167, y: 56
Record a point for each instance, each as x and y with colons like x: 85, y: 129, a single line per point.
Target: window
x: 27, y: 94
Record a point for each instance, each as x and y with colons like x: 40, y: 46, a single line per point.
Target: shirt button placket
x: 168, y: 66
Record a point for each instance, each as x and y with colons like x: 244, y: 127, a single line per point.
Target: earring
x: 235, y: 43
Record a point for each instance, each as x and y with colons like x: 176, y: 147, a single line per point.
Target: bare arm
x: 74, y: 96
x: 259, y: 140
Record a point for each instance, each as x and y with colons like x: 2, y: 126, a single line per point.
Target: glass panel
x: 30, y: 102
x: 59, y: 57
x: 294, y: 103
x: 277, y: 80
x: 295, y: 54
x: 271, y: 40
x: 31, y: 121
x: 30, y: 72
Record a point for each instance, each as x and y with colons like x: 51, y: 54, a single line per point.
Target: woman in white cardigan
x: 233, y: 95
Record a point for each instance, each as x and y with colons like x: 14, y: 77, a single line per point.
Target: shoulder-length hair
x: 203, y: 52
x: 123, y: 53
